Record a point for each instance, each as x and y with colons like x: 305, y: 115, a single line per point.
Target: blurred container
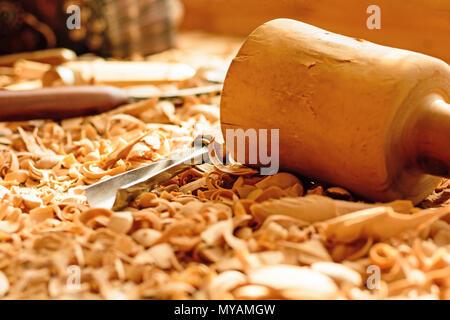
x: 141, y: 26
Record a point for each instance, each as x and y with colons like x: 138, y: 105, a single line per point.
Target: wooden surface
x: 417, y: 25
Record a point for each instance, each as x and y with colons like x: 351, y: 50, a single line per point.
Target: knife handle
x: 59, y: 102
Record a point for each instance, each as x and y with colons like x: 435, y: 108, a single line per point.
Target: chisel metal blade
x: 116, y: 192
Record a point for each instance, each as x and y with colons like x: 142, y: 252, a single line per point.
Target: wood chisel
x: 116, y: 192
x: 75, y: 101
x: 372, y: 119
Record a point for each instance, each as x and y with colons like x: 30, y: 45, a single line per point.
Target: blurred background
x: 107, y: 27
x: 123, y: 28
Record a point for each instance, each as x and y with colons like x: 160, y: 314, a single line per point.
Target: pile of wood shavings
x: 209, y: 233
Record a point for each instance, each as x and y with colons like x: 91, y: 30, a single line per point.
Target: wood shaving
x: 378, y: 223
x: 294, y: 282
x: 213, y: 232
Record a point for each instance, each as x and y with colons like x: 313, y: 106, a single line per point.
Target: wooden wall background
x: 418, y: 25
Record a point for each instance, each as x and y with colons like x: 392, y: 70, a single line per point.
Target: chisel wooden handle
x: 59, y: 103
x: 373, y: 119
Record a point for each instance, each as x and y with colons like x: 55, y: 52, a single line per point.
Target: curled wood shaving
x: 121, y: 222
x: 310, y: 208
x: 377, y: 223
x: 4, y: 284
x: 294, y: 282
x: 338, y: 272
